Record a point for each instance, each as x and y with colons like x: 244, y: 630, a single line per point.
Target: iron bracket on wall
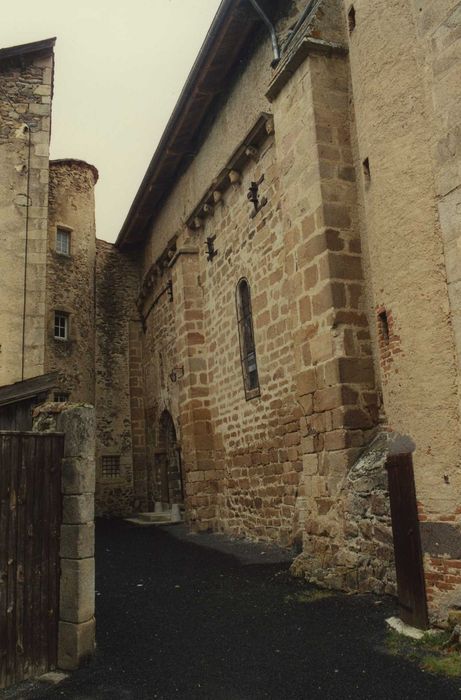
x: 211, y: 251
x: 253, y: 196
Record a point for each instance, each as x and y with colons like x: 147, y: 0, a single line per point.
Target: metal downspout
x: 26, y: 251
x: 270, y: 26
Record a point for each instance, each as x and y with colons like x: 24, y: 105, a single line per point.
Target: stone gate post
x: 76, y: 638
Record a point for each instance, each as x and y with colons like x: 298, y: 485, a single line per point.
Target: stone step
x: 165, y: 517
x: 155, y: 517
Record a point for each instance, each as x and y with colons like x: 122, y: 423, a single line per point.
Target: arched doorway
x: 168, y: 462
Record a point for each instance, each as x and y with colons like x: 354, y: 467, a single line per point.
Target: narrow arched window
x: 247, y: 342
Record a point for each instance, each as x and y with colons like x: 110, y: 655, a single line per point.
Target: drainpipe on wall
x: 270, y: 26
x: 26, y: 250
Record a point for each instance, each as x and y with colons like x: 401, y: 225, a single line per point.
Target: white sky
x: 120, y: 66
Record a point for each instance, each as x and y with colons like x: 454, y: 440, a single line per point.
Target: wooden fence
x: 30, y: 521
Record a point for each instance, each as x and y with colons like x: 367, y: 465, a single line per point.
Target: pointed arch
x: 169, y: 460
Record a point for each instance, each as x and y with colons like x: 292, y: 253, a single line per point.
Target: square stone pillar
x: 76, y: 639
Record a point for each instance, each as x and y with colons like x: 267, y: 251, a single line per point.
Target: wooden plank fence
x: 30, y: 521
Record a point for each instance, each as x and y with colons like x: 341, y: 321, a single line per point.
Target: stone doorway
x: 168, y: 468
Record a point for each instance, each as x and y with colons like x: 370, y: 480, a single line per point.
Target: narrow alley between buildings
x: 201, y: 617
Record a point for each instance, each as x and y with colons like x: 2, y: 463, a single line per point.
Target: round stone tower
x: 70, y: 288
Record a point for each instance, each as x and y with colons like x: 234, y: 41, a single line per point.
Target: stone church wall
x: 274, y: 467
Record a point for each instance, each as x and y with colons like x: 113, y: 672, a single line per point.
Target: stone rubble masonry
x: 70, y: 278
x: 26, y: 85
x: 118, y: 422
x: 76, y: 640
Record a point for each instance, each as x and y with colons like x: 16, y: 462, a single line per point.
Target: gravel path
x: 197, y: 616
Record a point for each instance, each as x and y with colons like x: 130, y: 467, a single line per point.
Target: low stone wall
x: 76, y: 640
x: 361, y: 556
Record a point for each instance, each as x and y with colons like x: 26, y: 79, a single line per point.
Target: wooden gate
x: 30, y: 520
x: 407, y: 542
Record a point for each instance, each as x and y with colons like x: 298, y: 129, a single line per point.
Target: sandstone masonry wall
x: 275, y: 467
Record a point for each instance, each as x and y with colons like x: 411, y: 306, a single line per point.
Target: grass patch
x: 448, y: 665
x: 442, y: 660
x: 309, y: 596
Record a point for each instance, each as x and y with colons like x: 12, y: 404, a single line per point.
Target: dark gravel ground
x: 196, y: 616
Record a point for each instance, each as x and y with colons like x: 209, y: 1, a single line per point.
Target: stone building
x: 284, y: 292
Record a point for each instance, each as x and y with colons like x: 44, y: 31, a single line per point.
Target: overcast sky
x: 120, y: 66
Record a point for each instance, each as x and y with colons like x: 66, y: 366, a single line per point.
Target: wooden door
x: 30, y: 521
x: 407, y: 542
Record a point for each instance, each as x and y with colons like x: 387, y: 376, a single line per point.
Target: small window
x: 366, y: 170
x: 247, y: 343
x: 111, y: 466
x: 61, y: 397
x: 351, y: 18
x: 63, y: 241
x: 384, y: 325
x: 61, y: 325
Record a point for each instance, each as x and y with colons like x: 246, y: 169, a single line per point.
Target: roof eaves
x: 34, y: 47
x: 202, y: 85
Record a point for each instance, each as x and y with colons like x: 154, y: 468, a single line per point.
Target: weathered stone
x: 78, y: 509
x: 77, y: 541
x: 77, y: 590
x: 76, y: 644
x: 78, y: 475
x: 78, y: 424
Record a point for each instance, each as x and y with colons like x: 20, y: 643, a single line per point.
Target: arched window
x: 247, y: 342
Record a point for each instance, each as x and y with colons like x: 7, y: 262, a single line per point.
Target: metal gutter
x: 272, y: 32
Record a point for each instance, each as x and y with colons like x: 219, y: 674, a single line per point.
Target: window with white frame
x: 61, y: 325
x: 63, y: 241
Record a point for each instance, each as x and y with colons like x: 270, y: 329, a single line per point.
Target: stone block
x: 78, y: 475
x: 449, y: 212
x: 326, y: 399
x: 356, y: 370
x: 453, y: 260
x: 78, y: 509
x: 77, y: 590
x: 321, y: 347
x: 77, y: 541
x: 332, y: 296
x: 78, y: 424
x: 76, y: 644
x: 310, y: 464
x: 306, y: 382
